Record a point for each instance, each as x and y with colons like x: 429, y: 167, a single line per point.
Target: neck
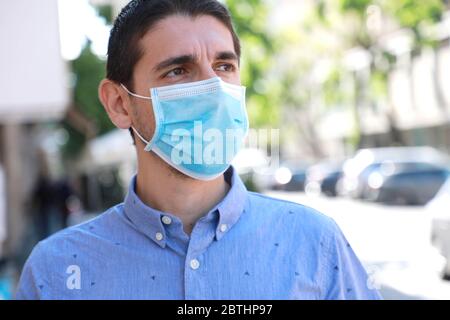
x: 162, y: 188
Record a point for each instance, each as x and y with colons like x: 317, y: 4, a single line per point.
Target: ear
x: 116, y: 103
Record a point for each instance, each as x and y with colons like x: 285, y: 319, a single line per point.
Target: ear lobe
x: 115, y: 102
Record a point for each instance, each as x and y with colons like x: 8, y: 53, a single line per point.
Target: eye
x: 175, y: 72
x: 225, y: 67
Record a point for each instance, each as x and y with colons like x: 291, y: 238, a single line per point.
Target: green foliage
x: 378, y: 84
x: 358, y: 6
x: 348, y: 20
x: 412, y: 13
x: 415, y: 14
x: 330, y: 88
x: 106, y: 12
x: 259, y: 49
x: 75, y: 142
x: 88, y: 70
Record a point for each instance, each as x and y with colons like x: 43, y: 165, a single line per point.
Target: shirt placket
x: 196, y: 271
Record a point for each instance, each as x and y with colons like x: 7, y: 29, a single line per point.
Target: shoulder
x: 80, y: 237
x: 293, y: 216
x: 50, y: 260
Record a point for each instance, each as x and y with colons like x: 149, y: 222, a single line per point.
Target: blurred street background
x: 358, y: 89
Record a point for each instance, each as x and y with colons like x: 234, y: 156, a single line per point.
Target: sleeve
x: 32, y: 280
x: 344, y: 277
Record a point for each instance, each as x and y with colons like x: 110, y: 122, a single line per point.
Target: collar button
x: 223, y: 227
x: 166, y: 220
x: 159, y: 236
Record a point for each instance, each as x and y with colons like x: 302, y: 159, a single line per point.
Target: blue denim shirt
x: 247, y: 247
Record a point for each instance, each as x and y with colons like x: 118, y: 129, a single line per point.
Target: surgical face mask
x: 199, y: 126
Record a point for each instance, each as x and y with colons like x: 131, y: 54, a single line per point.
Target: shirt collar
x: 233, y: 205
x: 148, y: 220
x: 144, y: 218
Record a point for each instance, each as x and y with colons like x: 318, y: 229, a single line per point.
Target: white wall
x: 33, y: 79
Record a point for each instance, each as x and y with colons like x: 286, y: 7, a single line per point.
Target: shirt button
x: 166, y: 220
x: 223, y: 227
x: 195, y: 264
x: 159, y: 236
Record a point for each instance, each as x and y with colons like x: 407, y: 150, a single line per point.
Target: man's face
x: 180, y: 49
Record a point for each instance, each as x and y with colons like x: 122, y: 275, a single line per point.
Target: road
x: 393, y: 243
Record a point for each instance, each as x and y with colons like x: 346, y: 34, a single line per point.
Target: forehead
x: 179, y: 35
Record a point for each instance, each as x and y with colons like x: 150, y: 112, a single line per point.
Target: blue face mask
x: 200, y: 126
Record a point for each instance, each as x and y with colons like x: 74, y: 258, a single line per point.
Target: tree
x: 361, y: 29
x: 88, y: 70
x: 259, y: 47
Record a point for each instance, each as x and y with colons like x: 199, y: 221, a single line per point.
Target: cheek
x: 234, y: 78
x: 144, y: 119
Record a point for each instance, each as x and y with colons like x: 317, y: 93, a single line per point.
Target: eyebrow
x: 227, y: 55
x: 189, y: 58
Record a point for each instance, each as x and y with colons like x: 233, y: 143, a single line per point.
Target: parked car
x: 259, y: 173
x: 290, y: 175
x: 329, y: 183
x: 372, y: 178
x: 290, y: 179
x: 323, y: 177
x: 439, y: 210
x: 358, y: 170
x: 416, y: 187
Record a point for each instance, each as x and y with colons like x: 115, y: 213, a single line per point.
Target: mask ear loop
x: 142, y: 97
x: 134, y: 94
x: 140, y: 137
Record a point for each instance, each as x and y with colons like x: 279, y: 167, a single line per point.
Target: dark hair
x: 138, y: 16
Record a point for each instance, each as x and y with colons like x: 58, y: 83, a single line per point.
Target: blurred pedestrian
x: 63, y: 191
x: 43, y: 203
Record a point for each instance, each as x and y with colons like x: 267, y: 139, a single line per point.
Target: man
x: 188, y: 229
